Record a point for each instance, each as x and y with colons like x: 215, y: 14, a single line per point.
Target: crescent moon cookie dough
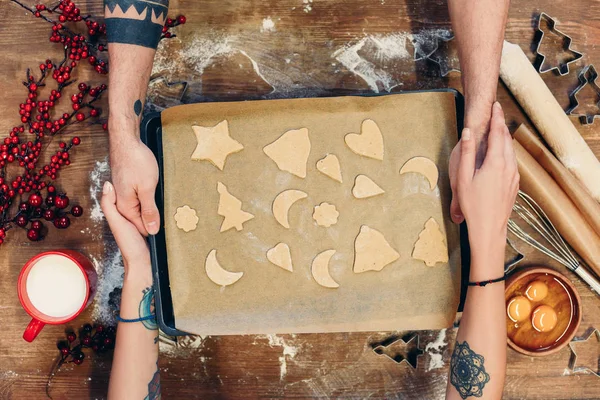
x: 282, y: 204
x: 330, y: 166
x: 367, y: 143
x: 218, y: 274
x: 431, y: 245
x: 230, y: 208
x: 280, y: 255
x: 215, y: 144
x: 290, y: 152
x: 372, y: 251
x: 364, y: 187
x: 326, y: 214
x: 320, y: 270
x: 186, y: 218
x: 423, y: 166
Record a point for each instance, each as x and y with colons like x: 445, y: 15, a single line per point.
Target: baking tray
x: 151, y: 135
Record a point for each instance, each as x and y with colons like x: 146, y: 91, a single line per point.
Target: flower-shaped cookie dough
x: 186, y: 218
x: 326, y: 214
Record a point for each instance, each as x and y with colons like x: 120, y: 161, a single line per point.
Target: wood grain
x: 223, y: 55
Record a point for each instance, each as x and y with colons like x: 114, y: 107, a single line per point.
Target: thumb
x: 150, y: 215
x: 455, y: 211
x: 468, y: 155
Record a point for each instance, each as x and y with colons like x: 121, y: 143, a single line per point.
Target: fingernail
x: 107, y: 187
x: 466, y: 135
x: 497, y: 104
x: 151, y: 227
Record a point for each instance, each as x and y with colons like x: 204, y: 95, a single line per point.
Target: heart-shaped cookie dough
x: 369, y: 143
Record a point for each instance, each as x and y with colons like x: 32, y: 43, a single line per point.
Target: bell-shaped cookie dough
x: 290, y: 152
x: 372, y: 251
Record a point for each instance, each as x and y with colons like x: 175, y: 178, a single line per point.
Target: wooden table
x: 231, y: 50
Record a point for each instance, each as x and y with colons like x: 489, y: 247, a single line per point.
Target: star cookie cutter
x: 587, y: 76
x: 408, y: 353
x: 562, y: 68
x: 440, y: 58
x: 573, y: 359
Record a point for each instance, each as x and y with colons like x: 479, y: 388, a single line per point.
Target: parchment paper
x: 267, y: 299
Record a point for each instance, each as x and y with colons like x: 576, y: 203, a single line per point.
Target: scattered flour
x: 307, y: 5
x: 435, y: 350
x: 110, y: 276
x: 99, y: 174
x: 268, y: 25
x: 178, y: 345
x: 288, y: 351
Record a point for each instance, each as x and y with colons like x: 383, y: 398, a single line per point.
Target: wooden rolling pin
x: 535, y: 98
x: 565, y: 216
x: 589, y: 208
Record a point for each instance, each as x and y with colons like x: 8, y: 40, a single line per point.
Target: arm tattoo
x: 467, y: 373
x: 136, y: 22
x: 137, y: 107
x: 147, y: 308
x: 154, y: 385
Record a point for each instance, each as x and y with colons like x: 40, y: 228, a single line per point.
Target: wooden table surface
x: 231, y: 50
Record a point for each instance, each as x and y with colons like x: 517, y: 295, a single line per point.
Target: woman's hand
x: 132, y: 244
x: 487, y: 194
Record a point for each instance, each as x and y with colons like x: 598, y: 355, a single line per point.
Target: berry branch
x: 40, y: 119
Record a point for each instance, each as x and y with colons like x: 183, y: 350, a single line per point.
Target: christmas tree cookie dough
x: 282, y: 204
x: 186, y: 218
x: 280, y: 255
x: 230, y: 208
x: 372, y: 251
x: 364, y: 187
x: 431, y: 246
x: 217, y: 274
x: 367, y: 143
x: 330, y: 166
x: 290, y: 152
x: 326, y: 214
x: 214, y: 144
x: 423, y: 166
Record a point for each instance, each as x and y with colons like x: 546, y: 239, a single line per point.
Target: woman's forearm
x: 478, y: 363
x: 135, y: 373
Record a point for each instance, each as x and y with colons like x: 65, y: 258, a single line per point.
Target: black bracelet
x: 483, y: 283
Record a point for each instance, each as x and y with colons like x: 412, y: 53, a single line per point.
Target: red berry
x: 77, y: 211
x: 33, y: 235
x: 50, y: 200
x: 86, y: 341
x: 21, y: 221
x: 65, y: 351
x: 94, y: 112
x: 35, y: 200
x: 49, y: 215
x: 99, y: 328
x: 62, y: 222
x: 71, y: 337
x: 61, y: 202
x: 77, y: 361
x: 181, y: 19
x: 23, y: 207
x: 82, y: 87
x: 37, y: 225
x: 80, y: 117
x: 76, y: 141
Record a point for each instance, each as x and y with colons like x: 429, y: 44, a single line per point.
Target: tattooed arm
x: 478, y: 363
x: 134, y: 373
x: 133, y: 29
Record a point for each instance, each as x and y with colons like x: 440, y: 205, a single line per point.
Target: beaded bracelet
x: 146, y: 318
x: 483, y: 283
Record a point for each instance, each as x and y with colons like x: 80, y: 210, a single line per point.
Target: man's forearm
x: 479, y: 29
x: 133, y: 28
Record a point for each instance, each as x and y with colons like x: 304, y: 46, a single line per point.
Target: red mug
x: 54, y: 288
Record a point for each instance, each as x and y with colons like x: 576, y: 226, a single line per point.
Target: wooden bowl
x: 562, y: 297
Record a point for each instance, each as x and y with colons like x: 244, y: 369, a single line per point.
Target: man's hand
x: 135, y: 176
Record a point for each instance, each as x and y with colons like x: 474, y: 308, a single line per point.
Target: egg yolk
x: 518, y: 308
x: 536, y: 291
x: 544, y: 319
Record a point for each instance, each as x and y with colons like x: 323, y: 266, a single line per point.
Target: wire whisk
x: 554, y: 247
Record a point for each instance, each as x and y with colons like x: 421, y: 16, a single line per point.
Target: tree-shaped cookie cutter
x: 562, y: 69
x: 409, y: 349
x: 573, y: 360
x: 435, y: 57
x: 587, y: 76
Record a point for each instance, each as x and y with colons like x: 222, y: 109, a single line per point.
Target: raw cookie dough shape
x: 186, y: 218
x: 364, y: 187
x: 330, y: 166
x: 217, y: 274
x: 283, y: 202
x: 431, y: 245
x: 371, y: 251
x: 231, y: 209
x: 320, y: 269
x: 280, y: 255
x: 424, y: 166
x: 214, y: 144
x: 290, y: 152
x: 326, y: 214
x: 369, y: 142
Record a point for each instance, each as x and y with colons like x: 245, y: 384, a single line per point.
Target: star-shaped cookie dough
x: 215, y: 144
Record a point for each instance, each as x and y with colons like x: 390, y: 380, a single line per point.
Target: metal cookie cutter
x: 594, y: 334
x: 587, y: 76
x: 562, y: 69
x: 401, y: 349
x: 442, y: 56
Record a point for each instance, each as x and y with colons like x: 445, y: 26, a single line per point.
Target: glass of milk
x: 54, y: 288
